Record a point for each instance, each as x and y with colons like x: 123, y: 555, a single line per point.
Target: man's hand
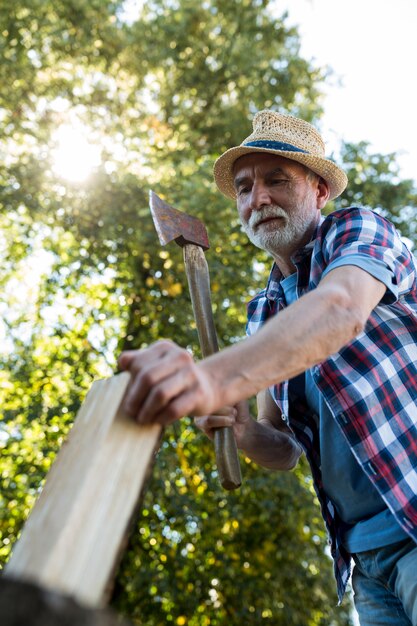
x: 166, y: 384
x: 237, y: 417
x: 268, y: 441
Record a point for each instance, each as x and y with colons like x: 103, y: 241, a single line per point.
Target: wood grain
x: 73, y: 537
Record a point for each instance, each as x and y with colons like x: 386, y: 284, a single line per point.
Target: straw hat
x: 285, y: 136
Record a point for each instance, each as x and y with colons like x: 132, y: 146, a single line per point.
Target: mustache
x: 268, y: 212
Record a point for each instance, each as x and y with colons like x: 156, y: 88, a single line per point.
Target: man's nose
x: 260, y: 196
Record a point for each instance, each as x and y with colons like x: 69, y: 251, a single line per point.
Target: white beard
x: 287, y: 234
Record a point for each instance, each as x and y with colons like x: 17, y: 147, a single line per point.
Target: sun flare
x: 74, y: 155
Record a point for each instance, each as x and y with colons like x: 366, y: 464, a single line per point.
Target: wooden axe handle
x: 199, y: 283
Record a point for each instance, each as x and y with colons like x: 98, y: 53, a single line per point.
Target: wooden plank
x: 72, y: 539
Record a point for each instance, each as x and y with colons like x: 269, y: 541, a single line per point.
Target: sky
x: 371, y: 46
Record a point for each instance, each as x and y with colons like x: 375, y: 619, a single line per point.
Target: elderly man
x: 331, y: 355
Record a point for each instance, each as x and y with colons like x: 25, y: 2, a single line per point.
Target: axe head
x: 172, y: 224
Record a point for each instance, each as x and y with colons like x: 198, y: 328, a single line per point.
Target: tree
x: 374, y: 181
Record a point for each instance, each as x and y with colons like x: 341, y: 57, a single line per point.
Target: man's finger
x: 209, y: 423
x: 180, y: 406
x: 142, y: 384
x: 149, y: 369
x: 160, y: 395
x: 134, y: 359
x: 126, y: 358
x: 227, y: 411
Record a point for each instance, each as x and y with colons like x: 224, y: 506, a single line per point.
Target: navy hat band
x: 274, y: 145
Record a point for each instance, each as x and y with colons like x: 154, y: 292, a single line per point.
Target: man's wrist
x: 227, y: 377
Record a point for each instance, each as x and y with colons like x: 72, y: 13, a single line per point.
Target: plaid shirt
x: 370, y: 385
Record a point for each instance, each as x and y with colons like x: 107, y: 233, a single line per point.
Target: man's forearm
x: 270, y: 447
x: 167, y: 383
x: 303, y: 335
x: 287, y: 345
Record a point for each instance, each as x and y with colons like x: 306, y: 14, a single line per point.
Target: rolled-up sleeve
x: 363, y: 238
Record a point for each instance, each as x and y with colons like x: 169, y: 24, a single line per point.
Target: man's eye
x: 243, y: 190
x: 278, y: 181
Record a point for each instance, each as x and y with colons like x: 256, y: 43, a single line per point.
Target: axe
x: 190, y: 233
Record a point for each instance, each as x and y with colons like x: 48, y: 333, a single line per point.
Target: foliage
x: 209, y: 557
x: 374, y: 181
x: 83, y: 276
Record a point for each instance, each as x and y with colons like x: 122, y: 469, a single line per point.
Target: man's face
x: 277, y: 201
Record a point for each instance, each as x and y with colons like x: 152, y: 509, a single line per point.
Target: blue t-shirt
x: 367, y: 523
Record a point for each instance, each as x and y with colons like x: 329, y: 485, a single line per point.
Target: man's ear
x: 322, y: 192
